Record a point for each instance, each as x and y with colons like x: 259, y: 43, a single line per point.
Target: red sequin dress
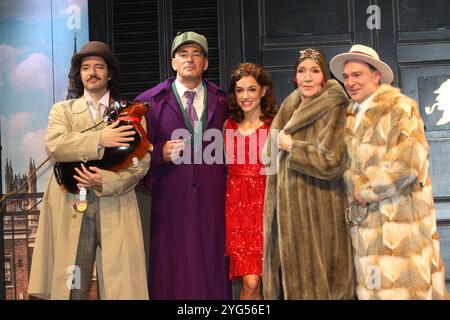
x: 244, y: 199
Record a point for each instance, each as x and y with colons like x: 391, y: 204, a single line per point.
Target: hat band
x: 366, y: 54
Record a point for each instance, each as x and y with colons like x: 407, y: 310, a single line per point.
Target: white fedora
x: 363, y: 53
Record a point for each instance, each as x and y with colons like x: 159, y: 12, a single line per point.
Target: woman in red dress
x: 251, y: 105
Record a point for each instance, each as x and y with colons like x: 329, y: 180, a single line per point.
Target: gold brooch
x: 82, y: 204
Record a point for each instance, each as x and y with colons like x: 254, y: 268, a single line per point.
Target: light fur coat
x: 306, y: 241
x: 397, y: 247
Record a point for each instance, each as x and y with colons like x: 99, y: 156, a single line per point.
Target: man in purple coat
x: 187, y: 179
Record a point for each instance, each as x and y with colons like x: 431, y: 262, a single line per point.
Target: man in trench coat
x: 109, y: 231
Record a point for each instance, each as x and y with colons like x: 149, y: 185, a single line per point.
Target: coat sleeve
x: 405, y: 158
x: 152, y: 120
x: 65, y: 145
x: 120, y: 183
x: 325, y: 158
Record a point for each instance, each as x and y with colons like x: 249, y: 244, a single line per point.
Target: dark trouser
x: 87, y: 246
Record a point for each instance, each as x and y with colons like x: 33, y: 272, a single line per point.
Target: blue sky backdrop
x: 36, y: 44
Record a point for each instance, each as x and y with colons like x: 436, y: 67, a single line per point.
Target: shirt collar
x: 181, y: 89
x: 104, y: 101
x: 363, y: 106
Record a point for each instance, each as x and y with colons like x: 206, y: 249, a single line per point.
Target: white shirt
x: 361, y: 109
x: 198, y: 99
x: 103, y: 102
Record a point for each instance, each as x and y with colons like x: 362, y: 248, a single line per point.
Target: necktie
x: 190, y: 110
x: 98, y: 114
x: 358, y: 115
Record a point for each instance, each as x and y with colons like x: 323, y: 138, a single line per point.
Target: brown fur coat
x: 397, y: 247
x: 306, y: 241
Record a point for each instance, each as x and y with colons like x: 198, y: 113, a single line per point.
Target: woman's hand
x: 285, y: 141
x: 357, y: 197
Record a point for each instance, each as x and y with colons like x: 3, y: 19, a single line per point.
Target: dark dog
x: 114, y: 159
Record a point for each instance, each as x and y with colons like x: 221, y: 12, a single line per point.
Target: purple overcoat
x: 187, y: 234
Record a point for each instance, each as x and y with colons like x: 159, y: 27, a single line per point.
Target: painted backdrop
x: 36, y: 45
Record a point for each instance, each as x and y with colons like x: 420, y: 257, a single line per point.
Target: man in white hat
x: 391, y: 208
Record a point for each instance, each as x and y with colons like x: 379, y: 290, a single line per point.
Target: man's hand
x: 114, y: 136
x: 172, y: 150
x: 86, y: 178
x: 357, y: 197
x: 285, y: 141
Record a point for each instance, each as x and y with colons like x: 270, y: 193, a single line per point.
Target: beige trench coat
x: 121, y: 261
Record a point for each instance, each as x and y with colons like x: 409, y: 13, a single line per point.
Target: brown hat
x: 318, y: 57
x: 98, y: 49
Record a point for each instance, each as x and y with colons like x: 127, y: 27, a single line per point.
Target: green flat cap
x: 189, y: 37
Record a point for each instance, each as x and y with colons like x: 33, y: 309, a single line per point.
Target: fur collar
x: 294, y: 116
x: 386, y: 98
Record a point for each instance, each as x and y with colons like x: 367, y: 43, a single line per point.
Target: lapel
x: 172, y: 102
x: 331, y: 95
x: 350, y: 122
x: 79, y: 106
x: 350, y: 112
x: 82, y: 116
x: 211, y: 104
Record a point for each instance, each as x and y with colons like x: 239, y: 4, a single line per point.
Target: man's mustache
x: 93, y: 77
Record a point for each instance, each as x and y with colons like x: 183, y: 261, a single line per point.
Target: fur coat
x: 397, y: 246
x: 306, y: 241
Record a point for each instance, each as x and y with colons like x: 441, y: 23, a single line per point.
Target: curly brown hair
x: 113, y: 84
x: 268, y: 106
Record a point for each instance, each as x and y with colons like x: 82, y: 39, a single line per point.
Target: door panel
x: 419, y: 81
x: 275, y: 31
x: 422, y: 45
